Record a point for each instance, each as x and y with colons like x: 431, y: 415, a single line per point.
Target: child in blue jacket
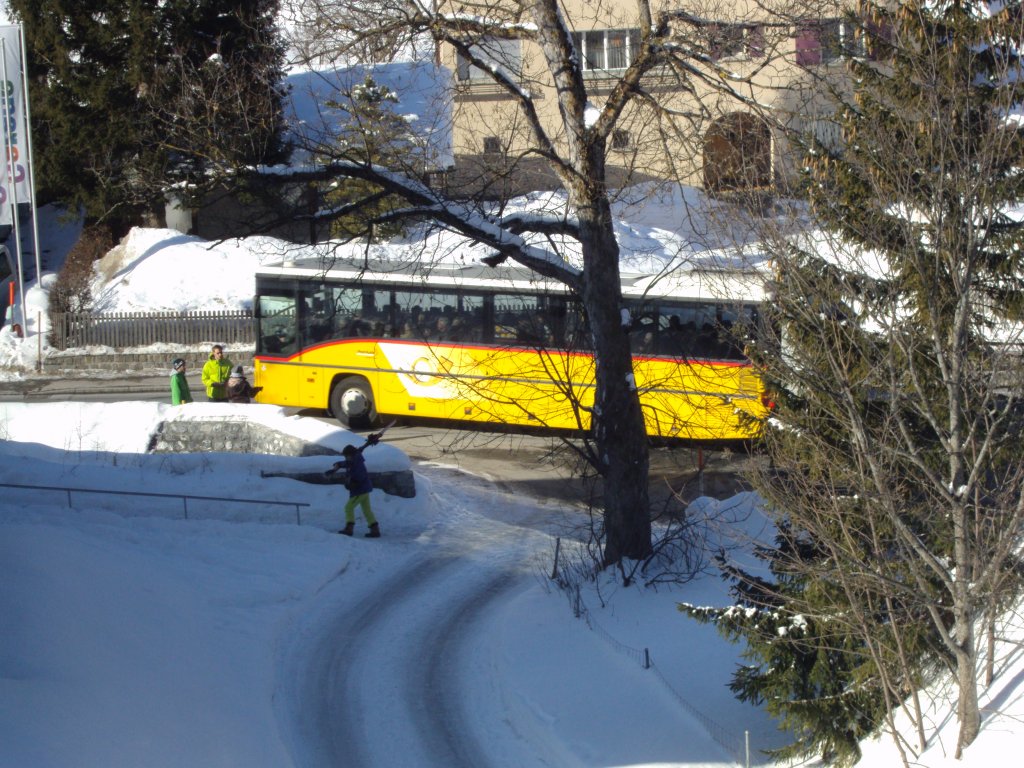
x: 359, y: 486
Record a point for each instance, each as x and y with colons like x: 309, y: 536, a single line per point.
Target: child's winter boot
x: 348, y: 530
x: 374, y: 532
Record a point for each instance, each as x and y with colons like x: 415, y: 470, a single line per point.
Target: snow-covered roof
x: 422, y: 90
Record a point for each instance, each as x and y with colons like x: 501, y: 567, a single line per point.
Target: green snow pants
x: 363, y: 502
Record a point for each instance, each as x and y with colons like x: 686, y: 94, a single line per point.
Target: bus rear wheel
x: 352, y: 403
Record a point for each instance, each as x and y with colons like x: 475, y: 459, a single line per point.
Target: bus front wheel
x: 352, y: 403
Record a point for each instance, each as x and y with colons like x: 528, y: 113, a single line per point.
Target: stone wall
x: 74, y: 363
x: 228, y: 435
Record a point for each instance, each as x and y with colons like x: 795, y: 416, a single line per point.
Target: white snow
x: 132, y: 636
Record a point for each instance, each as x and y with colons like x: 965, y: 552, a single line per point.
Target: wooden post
x: 700, y: 471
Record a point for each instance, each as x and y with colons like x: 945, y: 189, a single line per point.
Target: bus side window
x: 355, y: 326
x: 643, y: 335
x: 468, y: 324
x: 521, y: 321
x: 316, y: 332
x: 347, y: 309
x: 505, y: 326
x: 314, y: 319
x: 532, y: 331
x: 576, y: 333
x: 736, y: 330
x: 671, y: 339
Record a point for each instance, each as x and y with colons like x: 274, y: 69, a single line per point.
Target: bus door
x: 341, y: 329
x: 318, y: 321
x: 277, y: 342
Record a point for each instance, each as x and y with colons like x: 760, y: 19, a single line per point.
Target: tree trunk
x: 967, y: 709
x: 990, y: 644
x: 617, y: 422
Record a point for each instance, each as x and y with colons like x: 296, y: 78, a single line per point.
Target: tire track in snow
x: 382, y: 684
x: 408, y: 644
x: 442, y: 675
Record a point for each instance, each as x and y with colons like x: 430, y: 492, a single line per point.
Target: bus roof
x: 702, y: 283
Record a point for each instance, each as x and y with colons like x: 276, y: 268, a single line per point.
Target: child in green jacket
x: 179, y: 384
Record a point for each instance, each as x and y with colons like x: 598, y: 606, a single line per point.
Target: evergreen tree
x: 372, y: 134
x: 216, y: 97
x: 809, y: 664
x: 895, y: 449
x: 805, y: 668
x: 101, y: 74
x: 86, y: 66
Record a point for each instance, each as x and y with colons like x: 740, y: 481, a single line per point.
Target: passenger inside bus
x: 356, y: 327
x: 645, y: 343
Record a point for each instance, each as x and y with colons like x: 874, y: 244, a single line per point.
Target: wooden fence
x: 123, y: 330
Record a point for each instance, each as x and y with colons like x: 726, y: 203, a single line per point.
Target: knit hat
x: 238, y: 371
x: 178, y: 364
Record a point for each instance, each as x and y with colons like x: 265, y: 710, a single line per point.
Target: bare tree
x: 586, y: 114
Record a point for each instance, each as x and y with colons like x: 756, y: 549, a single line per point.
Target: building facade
x: 750, y: 74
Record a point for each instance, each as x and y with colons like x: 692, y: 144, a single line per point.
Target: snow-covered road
x: 142, y: 637
x: 380, y: 673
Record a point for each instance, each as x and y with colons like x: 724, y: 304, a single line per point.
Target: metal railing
x: 122, y: 330
x: 183, y: 496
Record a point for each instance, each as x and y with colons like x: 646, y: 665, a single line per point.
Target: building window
x: 727, y: 41
x: 605, y: 49
x: 494, y: 53
x: 753, y: 42
x: 438, y: 180
x: 620, y: 139
x: 830, y: 40
x: 737, y: 154
x: 491, y: 145
x: 877, y: 41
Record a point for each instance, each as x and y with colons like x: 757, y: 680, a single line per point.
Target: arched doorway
x: 737, y: 154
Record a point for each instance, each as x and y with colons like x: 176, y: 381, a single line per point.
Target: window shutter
x: 808, y: 46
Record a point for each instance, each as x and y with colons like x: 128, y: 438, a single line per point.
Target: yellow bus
x: 373, y: 341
